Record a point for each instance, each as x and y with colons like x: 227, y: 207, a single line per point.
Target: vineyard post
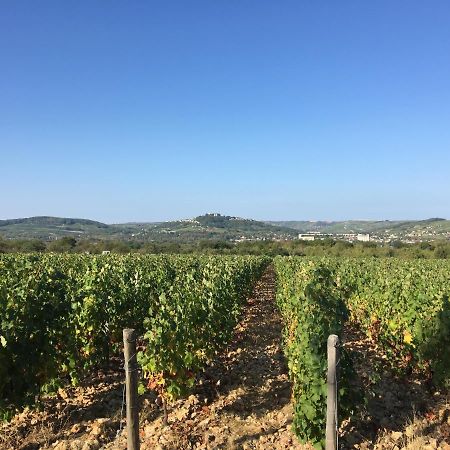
x: 331, y: 430
x: 131, y: 380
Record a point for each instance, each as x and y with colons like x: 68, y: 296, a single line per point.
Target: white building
x: 306, y: 237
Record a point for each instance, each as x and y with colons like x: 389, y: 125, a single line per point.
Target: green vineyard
x: 312, y: 309
x: 62, y: 315
x: 402, y: 306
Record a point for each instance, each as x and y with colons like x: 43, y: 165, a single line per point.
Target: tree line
x: 327, y: 247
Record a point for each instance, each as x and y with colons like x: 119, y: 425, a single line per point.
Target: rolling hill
x: 208, y: 226
x: 217, y: 227
x: 433, y: 228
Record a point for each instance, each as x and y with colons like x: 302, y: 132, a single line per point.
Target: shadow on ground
x: 393, y: 402
x: 253, y: 365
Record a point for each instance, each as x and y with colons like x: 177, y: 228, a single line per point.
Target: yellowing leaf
x: 407, y: 337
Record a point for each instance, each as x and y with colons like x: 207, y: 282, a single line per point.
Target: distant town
x: 410, y: 237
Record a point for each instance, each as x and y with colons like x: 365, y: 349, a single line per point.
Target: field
x: 213, y: 350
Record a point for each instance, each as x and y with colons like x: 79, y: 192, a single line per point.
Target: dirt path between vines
x: 242, y: 401
x: 243, y: 398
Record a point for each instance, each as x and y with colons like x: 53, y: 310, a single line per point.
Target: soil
x: 397, y: 411
x: 241, y: 401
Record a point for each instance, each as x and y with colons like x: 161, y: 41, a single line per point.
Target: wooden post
x: 131, y: 378
x: 331, y: 430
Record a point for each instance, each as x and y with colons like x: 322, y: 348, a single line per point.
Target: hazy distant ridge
x: 360, y: 226
x: 208, y: 226
x: 51, y: 221
x: 214, y: 226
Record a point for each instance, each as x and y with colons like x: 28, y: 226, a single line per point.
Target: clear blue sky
x: 144, y: 110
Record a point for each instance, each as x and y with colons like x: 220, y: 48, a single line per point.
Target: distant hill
x: 347, y: 226
x: 47, y: 228
x: 208, y: 226
x: 214, y: 226
x: 433, y: 228
x: 51, y: 221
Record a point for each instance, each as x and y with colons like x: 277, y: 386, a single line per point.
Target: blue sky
x: 141, y: 110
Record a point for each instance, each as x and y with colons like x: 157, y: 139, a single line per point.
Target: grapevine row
x: 402, y: 306
x: 63, y: 314
x: 312, y: 309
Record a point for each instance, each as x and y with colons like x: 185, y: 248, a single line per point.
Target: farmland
x: 402, y: 307
x: 62, y: 317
